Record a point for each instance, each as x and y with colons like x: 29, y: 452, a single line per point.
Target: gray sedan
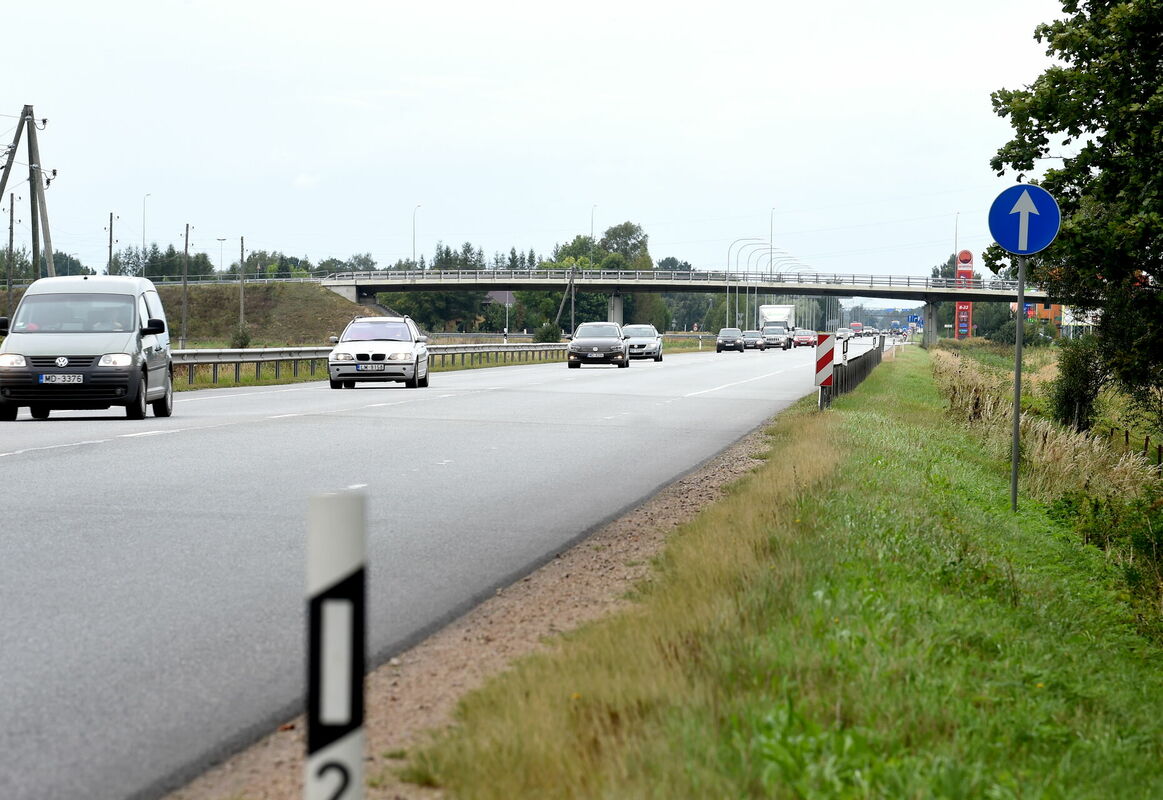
x: 598, y: 343
x: 644, y: 341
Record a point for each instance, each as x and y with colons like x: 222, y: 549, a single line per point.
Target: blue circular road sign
x: 1024, y: 219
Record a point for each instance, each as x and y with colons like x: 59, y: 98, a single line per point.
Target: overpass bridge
x: 930, y: 291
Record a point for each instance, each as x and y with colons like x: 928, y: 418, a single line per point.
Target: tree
x: 1100, y: 110
x: 627, y: 239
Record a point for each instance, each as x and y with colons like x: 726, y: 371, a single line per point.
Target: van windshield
x: 73, y: 313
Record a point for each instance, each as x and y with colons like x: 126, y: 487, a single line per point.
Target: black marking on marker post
x: 321, y: 733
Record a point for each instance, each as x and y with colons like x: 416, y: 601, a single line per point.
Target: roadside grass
x: 862, y: 616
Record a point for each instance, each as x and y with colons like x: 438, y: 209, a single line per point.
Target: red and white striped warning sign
x: 825, y: 349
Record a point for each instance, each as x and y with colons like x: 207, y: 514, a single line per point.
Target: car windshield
x: 597, y: 331
x: 640, y: 330
x: 752, y: 334
x: 377, y: 332
x: 730, y: 332
x: 74, y: 313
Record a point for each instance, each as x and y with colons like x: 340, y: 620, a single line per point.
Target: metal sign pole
x: 1019, y: 335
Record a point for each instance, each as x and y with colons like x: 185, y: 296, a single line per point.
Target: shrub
x: 1082, y: 374
x: 240, y: 339
x: 1036, y: 333
x: 547, y: 333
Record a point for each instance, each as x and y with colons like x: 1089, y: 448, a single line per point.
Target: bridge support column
x: 930, y: 318
x: 614, y: 309
x: 350, y: 293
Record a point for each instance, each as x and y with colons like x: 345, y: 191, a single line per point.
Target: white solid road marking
x: 52, y: 447
x: 148, y: 433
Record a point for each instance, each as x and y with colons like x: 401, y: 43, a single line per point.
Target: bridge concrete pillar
x: 614, y: 309
x: 350, y: 293
x: 930, y: 317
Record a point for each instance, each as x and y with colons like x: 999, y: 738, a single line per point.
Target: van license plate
x: 370, y: 367
x: 62, y: 378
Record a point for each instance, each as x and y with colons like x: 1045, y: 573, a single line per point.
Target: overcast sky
x: 857, y: 135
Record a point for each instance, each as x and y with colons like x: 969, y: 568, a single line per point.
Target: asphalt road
x: 152, y: 579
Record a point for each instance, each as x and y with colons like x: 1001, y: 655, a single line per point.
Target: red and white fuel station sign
x: 825, y: 352
x: 963, y: 321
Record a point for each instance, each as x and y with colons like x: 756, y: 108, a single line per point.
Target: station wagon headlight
x: 115, y: 360
x: 342, y: 357
x: 12, y: 360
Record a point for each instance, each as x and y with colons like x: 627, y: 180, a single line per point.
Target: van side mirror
x: 3, y: 326
x: 154, y: 326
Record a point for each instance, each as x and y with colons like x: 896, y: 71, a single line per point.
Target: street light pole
x: 737, y: 254
x: 414, y: 235
x: 147, y: 194
x: 727, y: 278
x: 220, y: 241
x: 595, y: 205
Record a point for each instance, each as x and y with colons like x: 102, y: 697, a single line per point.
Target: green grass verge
x: 862, y: 617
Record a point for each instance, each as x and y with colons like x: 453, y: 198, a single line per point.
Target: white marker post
x: 336, y: 574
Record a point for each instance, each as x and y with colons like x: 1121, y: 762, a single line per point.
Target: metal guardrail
x: 848, y: 374
x: 470, y: 354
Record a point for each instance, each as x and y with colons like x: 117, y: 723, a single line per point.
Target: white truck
x: 777, y: 324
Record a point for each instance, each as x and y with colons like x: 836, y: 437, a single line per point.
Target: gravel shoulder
x: 416, y: 693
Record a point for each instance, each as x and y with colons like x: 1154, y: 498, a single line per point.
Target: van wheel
x: 136, y: 409
x: 39, y: 412
x: 165, y: 406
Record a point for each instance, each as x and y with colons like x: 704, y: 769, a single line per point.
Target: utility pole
x: 185, y: 288
x: 11, y: 225
x: 12, y: 150
x: 109, y: 268
x: 241, y: 282
x: 36, y: 178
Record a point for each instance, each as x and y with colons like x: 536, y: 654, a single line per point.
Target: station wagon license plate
x: 62, y: 378
x: 370, y: 367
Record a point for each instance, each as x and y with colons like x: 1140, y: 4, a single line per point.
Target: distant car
x: 729, y: 339
x: 379, y: 350
x: 843, y: 333
x: 805, y: 338
x: 777, y: 335
x: 644, y: 341
x: 753, y: 340
x: 598, y: 343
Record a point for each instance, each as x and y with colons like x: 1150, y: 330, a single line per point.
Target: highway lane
x: 151, y: 586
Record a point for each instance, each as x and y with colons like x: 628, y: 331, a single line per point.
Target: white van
x: 87, y: 342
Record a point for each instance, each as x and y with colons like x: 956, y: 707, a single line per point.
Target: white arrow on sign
x: 1025, y: 206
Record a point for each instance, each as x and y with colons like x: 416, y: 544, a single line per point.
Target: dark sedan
x: 729, y: 339
x: 598, y: 343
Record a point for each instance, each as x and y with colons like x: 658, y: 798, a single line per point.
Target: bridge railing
x: 315, y: 358
x: 694, y: 277
x: 654, y: 276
